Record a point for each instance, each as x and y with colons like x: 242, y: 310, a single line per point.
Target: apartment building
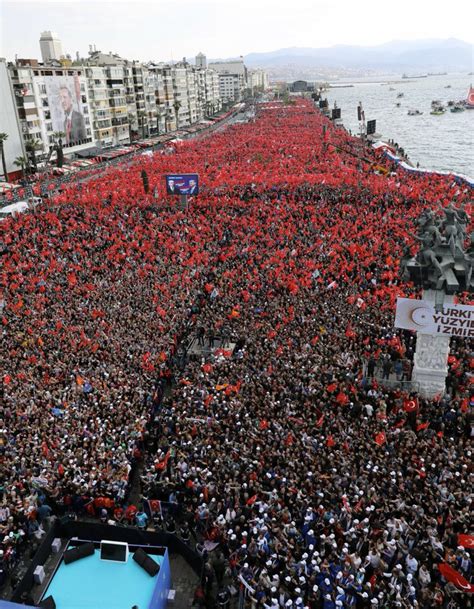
x: 257, y: 80
x: 13, y: 146
x: 99, y: 105
x: 232, y: 79
x: 104, y: 100
x: 52, y: 102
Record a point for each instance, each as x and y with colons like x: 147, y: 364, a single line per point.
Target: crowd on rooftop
x: 278, y: 450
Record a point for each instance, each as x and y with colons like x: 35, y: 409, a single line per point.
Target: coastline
x: 406, y: 167
x: 438, y: 143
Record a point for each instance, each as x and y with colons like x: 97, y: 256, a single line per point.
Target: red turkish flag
x: 409, y: 405
x: 252, y: 500
x: 422, y: 426
x: 319, y: 422
x: 71, y: 279
x: 453, y: 576
x: 330, y: 442
x: 342, y: 398
x: 155, y: 506
x: 164, y: 462
x: 350, y: 332
x: 380, y: 438
x: 466, y: 541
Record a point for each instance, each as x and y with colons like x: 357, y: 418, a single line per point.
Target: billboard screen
x: 182, y: 184
x: 371, y: 127
x: 65, y: 106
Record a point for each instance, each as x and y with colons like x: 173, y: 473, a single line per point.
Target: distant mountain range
x: 428, y: 55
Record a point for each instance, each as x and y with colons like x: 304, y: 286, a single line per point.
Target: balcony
x: 117, y: 122
x: 102, y: 115
x: 102, y: 124
x: 118, y: 102
x: 101, y: 129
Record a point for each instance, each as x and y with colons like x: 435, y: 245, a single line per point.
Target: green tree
x: 3, y: 138
x: 141, y: 114
x: 159, y: 114
x: 132, y: 119
x: 32, y: 145
x: 21, y: 162
x: 58, y: 146
x: 177, y: 105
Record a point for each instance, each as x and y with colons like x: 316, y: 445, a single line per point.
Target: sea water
x: 435, y: 142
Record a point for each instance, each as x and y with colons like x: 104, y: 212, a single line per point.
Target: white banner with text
x: 421, y: 316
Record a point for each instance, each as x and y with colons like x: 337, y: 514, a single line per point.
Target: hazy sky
x: 165, y: 29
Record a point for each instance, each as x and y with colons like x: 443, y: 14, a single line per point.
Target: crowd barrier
x: 458, y: 177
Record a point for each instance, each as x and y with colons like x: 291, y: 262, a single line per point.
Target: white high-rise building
x: 13, y: 146
x: 201, y: 61
x: 232, y: 79
x: 51, y: 48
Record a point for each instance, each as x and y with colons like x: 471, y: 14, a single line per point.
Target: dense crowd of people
x: 305, y: 480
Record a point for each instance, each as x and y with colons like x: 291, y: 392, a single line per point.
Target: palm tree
x: 177, y: 105
x: 32, y: 146
x: 21, y: 162
x: 58, y: 146
x: 3, y: 138
x: 131, y: 121
x: 209, y: 109
x: 141, y: 121
x: 159, y: 115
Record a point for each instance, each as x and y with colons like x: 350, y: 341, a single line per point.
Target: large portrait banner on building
x: 65, y: 104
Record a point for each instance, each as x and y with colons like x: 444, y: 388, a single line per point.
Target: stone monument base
x: 431, y: 357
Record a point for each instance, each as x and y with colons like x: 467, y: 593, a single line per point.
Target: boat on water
x: 457, y: 108
x: 391, y: 89
x: 470, y: 99
x: 437, y: 111
x: 415, y: 76
x: 398, y: 104
x: 414, y: 113
x: 400, y: 94
x: 447, y: 87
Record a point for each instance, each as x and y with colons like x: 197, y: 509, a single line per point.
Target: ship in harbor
x: 415, y: 76
x: 470, y: 99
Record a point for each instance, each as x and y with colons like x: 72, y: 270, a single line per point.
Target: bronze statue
x: 441, y: 262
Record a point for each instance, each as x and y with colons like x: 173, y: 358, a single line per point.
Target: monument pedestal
x: 431, y: 357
